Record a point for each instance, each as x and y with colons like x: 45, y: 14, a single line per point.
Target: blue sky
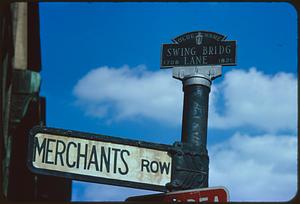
x: 101, y: 74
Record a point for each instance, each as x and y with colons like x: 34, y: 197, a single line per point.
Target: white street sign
x: 104, y: 159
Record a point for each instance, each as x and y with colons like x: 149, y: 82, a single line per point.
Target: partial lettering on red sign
x: 207, y: 195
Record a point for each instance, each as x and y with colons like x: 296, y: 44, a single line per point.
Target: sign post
x: 197, y: 58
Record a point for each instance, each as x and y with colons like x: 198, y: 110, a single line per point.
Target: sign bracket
x: 190, y: 167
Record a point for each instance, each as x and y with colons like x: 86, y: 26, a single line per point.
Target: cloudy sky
x: 101, y: 74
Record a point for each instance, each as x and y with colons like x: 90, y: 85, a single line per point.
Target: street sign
x: 215, y: 194
x: 98, y: 158
x: 199, y: 48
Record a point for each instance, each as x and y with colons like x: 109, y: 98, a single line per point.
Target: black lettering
x: 93, y: 158
x: 145, y: 163
x: 84, y: 156
x: 39, y: 148
x: 154, y: 168
x: 68, y: 153
x: 164, y: 167
x: 105, y: 158
x: 115, y: 158
x: 125, y: 164
x: 59, y: 152
x: 49, y: 151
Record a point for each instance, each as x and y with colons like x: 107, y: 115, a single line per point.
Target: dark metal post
x: 196, y: 58
x: 190, y: 155
x: 196, y: 90
x: 195, y: 114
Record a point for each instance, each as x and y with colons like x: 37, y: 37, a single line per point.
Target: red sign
x: 215, y: 194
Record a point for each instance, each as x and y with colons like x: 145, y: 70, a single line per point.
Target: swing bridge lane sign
x: 99, y: 158
x: 198, y: 48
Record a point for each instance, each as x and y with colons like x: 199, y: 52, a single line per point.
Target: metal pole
x: 194, y: 121
x: 191, y: 158
x: 195, y: 110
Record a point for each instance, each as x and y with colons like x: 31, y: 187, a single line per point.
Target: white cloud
x: 254, y: 99
x: 127, y: 93
x: 255, y: 168
x: 250, y: 98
